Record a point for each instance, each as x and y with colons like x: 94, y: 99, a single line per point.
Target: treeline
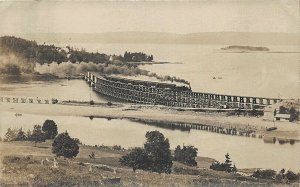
x: 45, y: 54
x: 31, y: 51
x: 77, y: 55
x: 137, y: 57
x: 63, y: 144
x: 156, y: 156
x: 39, y: 133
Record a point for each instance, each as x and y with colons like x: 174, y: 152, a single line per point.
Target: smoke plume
x: 11, y: 64
x: 68, y: 69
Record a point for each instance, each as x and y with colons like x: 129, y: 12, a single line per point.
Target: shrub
x: 21, y: 135
x: 294, y: 114
x: 225, y: 166
x: 117, y: 148
x: 186, y: 155
x: 37, y: 135
x: 64, y: 145
x: 50, y: 129
x: 155, y: 157
x: 158, y: 149
x: 264, y: 174
x: 291, y: 176
x: 109, y: 103
x: 137, y: 159
x: 10, y: 135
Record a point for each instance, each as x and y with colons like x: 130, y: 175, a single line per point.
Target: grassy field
x: 22, y: 165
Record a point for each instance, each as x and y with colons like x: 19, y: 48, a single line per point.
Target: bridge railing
x: 26, y: 99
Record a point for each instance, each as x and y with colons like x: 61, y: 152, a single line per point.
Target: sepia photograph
x: 149, y: 93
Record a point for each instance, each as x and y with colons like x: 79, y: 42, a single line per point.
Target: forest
x: 46, y: 54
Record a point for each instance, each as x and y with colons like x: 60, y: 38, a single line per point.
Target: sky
x: 156, y: 16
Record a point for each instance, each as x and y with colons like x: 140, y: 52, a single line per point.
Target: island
x: 241, y: 48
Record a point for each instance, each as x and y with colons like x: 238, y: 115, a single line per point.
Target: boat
x: 18, y: 114
x: 271, y: 128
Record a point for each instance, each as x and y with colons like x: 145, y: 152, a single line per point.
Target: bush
x: 37, y: 135
x: 158, y: 149
x: 291, y: 176
x: 155, y: 157
x: 294, y: 114
x: 225, y: 166
x: 117, y: 148
x: 10, y: 135
x: 109, y: 103
x: 137, y: 159
x: 264, y: 174
x: 21, y: 135
x: 64, y: 145
x: 186, y: 155
x: 50, y: 129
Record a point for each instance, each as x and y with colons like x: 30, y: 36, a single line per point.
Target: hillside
x: 224, y: 38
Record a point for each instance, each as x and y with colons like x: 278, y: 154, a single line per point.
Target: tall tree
x: 158, y: 150
x: 10, y: 135
x: 227, y: 163
x: 50, y: 129
x: 37, y: 135
x: 64, y: 145
x: 137, y: 159
x: 21, y: 135
x: 186, y: 155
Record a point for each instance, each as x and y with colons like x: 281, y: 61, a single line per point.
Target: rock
x: 31, y: 176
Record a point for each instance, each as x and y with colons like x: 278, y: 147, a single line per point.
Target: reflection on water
x: 56, y: 88
x: 245, y: 152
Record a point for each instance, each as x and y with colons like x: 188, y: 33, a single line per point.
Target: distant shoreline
x: 249, y: 49
x: 257, y: 52
x: 154, y: 62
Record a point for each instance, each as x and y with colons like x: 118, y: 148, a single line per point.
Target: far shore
x: 285, y: 130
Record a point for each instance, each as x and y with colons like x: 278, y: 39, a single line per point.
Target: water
x: 251, y: 74
x: 245, y: 152
x: 257, y: 74
x: 61, y: 89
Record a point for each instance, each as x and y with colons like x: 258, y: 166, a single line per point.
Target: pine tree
x: 234, y: 169
x: 50, y: 129
x: 64, y: 145
x: 37, y: 135
x: 10, y: 135
x: 158, y: 150
x: 21, y: 135
x: 227, y: 163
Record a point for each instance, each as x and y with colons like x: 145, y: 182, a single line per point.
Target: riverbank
x: 285, y: 130
x: 22, y: 164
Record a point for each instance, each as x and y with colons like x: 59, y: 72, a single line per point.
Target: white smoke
x: 67, y: 68
x: 11, y: 64
x: 70, y: 69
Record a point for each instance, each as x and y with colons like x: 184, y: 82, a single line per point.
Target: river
x: 245, y: 152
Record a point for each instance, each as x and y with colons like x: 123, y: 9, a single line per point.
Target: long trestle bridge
x: 171, y: 95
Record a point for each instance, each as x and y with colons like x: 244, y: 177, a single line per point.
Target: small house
x: 282, y: 117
